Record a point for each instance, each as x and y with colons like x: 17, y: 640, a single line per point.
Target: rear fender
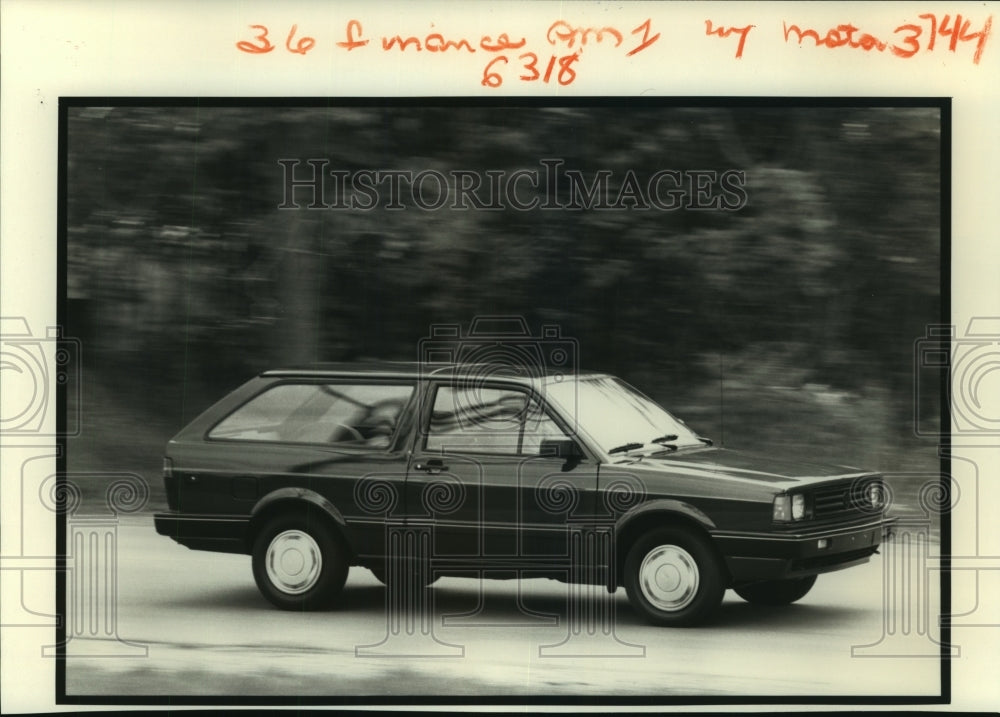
x: 276, y: 501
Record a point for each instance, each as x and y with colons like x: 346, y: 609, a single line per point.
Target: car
x: 427, y: 470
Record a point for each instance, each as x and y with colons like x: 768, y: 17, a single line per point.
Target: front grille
x: 845, y: 498
x: 831, y: 500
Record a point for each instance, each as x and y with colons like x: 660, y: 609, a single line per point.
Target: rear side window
x: 357, y: 414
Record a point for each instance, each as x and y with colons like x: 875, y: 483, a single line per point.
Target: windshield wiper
x: 666, y: 441
x: 625, y: 448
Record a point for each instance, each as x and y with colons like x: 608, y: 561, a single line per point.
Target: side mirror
x: 565, y: 448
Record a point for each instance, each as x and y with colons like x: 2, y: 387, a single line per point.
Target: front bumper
x: 753, y: 557
x: 218, y: 533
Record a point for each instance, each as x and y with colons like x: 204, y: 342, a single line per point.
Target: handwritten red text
x: 907, y: 40
x: 727, y: 31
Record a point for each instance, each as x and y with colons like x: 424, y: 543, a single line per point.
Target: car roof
x: 426, y: 369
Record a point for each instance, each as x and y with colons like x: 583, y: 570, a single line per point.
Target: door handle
x: 433, y: 465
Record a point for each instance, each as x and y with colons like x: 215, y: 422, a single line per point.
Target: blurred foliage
x: 185, y: 278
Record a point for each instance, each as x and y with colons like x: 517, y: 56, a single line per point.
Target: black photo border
x: 943, y: 104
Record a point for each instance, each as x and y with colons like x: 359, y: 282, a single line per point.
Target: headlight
x: 789, y: 507
x: 876, y: 496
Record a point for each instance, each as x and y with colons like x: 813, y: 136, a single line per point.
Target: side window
x: 354, y: 414
x: 488, y: 420
x: 539, y: 426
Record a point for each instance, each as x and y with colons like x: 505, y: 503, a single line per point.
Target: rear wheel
x: 673, y: 578
x: 776, y: 592
x: 299, y: 562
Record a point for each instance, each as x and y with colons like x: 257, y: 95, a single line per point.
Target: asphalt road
x: 196, y: 625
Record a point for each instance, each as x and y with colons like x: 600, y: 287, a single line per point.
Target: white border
x: 185, y: 48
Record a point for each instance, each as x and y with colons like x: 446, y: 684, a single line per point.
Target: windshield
x: 619, y: 418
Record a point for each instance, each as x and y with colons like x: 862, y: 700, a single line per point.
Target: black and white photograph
x: 534, y: 357
x: 503, y: 400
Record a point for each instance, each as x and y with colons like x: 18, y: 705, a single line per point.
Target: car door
x: 487, y: 478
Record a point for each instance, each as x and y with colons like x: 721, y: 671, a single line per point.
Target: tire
x: 674, y: 578
x: 776, y: 592
x: 299, y: 562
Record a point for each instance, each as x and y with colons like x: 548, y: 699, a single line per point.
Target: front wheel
x: 776, y: 592
x: 673, y: 578
x: 299, y: 563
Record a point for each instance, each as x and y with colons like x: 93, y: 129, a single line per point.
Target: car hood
x: 752, y: 467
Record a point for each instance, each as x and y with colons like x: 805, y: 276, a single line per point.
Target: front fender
x: 663, y: 505
x: 648, y: 516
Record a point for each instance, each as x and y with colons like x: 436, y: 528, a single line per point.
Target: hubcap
x: 668, y: 578
x: 293, y: 562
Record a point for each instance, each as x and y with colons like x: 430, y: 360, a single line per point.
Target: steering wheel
x: 354, y: 432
